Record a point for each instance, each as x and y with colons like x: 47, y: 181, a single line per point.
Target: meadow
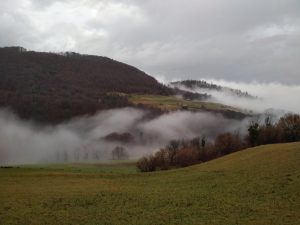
x: 173, y: 103
x: 256, y: 186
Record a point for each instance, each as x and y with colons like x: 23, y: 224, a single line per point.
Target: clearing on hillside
x: 173, y: 103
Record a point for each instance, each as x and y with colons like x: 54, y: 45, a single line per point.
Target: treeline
x: 287, y: 129
x: 58, y: 108
x: 187, y: 95
x: 197, y: 84
x: 192, y: 84
x: 181, y: 153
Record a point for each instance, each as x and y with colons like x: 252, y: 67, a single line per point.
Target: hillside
x: 255, y: 186
x: 174, y: 103
x: 51, y: 87
x: 205, y: 86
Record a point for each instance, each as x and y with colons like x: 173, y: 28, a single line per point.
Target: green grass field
x: 255, y: 186
x: 171, y: 103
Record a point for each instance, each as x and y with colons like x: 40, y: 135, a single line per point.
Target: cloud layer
x: 234, y: 40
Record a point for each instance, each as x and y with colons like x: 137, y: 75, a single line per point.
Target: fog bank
x: 83, y: 139
x: 279, y: 97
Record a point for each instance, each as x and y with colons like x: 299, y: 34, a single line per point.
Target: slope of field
x: 256, y: 186
x: 171, y: 103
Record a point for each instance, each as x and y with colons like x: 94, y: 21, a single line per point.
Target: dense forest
x: 53, y: 87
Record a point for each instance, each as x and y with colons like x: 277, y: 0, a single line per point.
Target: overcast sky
x: 235, y: 40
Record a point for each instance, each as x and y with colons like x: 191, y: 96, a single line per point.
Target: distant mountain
x: 53, y: 87
x: 203, y: 86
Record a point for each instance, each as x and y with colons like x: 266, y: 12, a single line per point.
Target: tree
x: 119, y: 153
x: 253, y: 133
x: 172, y: 149
x: 161, y: 159
x: 268, y: 121
x: 147, y: 164
x: 290, y: 127
x: 203, y: 141
x: 186, y: 157
x: 226, y: 143
x: 196, y: 143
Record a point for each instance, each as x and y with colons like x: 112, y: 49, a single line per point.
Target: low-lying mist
x: 280, y: 98
x: 85, y: 139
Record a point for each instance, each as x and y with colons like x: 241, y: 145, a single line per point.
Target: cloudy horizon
x: 241, y: 41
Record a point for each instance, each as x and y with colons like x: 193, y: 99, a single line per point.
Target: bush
x: 147, y: 164
x: 162, y: 159
x: 227, y: 143
x: 172, y: 149
x: 186, y: 157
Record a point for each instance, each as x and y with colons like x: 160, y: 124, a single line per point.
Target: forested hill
x: 52, y: 87
x: 201, y: 84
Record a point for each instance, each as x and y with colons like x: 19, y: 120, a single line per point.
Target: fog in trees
x: 95, y: 138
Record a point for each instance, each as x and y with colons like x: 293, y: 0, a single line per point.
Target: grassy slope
x: 172, y: 103
x: 255, y: 186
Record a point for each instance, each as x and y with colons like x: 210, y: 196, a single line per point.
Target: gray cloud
x: 232, y: 40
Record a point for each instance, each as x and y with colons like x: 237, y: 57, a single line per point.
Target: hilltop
x: 53, y: 87
x: 255, y: 186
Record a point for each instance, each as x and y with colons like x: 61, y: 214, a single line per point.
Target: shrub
x: 227, y: 143
x: 162, y: 159
x: 147, y: 164
x: 186, y: 157
x: 172, y: 149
